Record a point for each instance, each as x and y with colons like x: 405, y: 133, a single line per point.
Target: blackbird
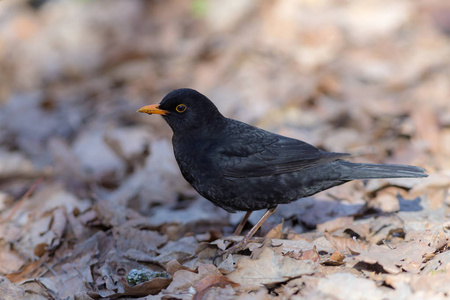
x: 240, y: 167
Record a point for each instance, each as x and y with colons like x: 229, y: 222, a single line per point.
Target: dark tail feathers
x: 372, y: 171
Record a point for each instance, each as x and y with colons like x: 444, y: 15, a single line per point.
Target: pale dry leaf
x: 438, y: 264
x: 342, y: 244
x: 437, y: 197
x: 80, y: 231
x: 140, y: 256
x: 54, y: 196
x: 435, y: 283
x: 335, y: 224
x: 386, y: 200
x: 348, y: 286
x: 13, y: 164
x: 427, y: 127
x: 269, y: 268
x: 407, y: 256
x: 10, y: 261
x: 181, y: 250
x: 227, y: 265
x: 217, y: 292
x: 381, y: 228
x: 92, y: 163
x: 433, y: 181
x: 212, y: 281
x: 9, y: 291
x: 128, y: 142
x: 297, y: 245
x: 39, y: 286
x: 267, y: 243
x: 276, y: 232
x: 130, y: 236
x: 310, y: 254
x: 114, y: 216
x: 184, y: 279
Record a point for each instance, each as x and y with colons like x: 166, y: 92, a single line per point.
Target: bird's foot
x: 235, y: 248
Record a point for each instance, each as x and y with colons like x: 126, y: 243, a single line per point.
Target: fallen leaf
x: 335, y: 224
x: 276, y: 232
x: 227, y: 265
x: 305, y: 255
x: 9, y: 291
x: 349, y: 286
x: 151, y: 287
x: 184, y: 279
x: 342, y: 244
x: 269, y: 268
x: 386, y: 200
x: 211, y: 281
x: 173, y: 266
x: 407, y: 256
x: 267, y: 243
x: 336, y: 259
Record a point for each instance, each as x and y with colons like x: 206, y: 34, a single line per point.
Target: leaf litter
x: 90, y: 190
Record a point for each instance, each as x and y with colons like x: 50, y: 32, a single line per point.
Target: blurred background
x: 367, y: 77
x: 89, y: 189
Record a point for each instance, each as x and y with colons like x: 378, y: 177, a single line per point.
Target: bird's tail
x: 371, y: 171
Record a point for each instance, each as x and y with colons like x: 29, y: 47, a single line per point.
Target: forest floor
x: 90, y: 191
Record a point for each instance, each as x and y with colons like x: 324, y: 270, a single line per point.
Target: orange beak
x: 153, y: 109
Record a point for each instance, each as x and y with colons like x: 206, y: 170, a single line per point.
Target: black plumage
x: 243, y: 168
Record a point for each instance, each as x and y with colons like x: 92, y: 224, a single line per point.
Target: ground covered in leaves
x: 93, y: 206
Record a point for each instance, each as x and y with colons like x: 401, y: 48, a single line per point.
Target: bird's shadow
x: 305, y: 214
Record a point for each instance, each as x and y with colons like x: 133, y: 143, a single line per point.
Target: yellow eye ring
x: 181, y: 108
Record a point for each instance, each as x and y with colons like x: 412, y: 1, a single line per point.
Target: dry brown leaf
x: 335, y: 224
x: 268, y: 243
x: 173, y: 266
x: 211, y: 281
x: 227, y: 265
x: 336, y: 259
x: 440, y: 263
x: 342, y: 244
x: 427, y: 127
x: 276, y: 232
x: 9, y: 291
x: 305, y: 255
x: 407, y: 256
x: 26, y: 271
x: 184, y: 279
x: 296, y: 245
x: 386, y: 200
x: 130, y: 235
x: 151, y: 287
x: 349, y: 286
x: 10, y: 261
x: 269, y: 268
x: 437, y: 197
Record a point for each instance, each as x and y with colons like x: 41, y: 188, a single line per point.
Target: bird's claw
x: 235, y: 248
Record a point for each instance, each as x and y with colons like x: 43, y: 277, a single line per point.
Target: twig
x: 47, y: 291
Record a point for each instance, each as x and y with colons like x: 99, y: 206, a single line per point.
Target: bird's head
x: 185, y: 110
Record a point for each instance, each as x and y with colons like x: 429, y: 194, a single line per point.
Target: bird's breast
x: 194, y: 159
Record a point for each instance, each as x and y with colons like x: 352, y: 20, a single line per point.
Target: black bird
x: 240, y: 167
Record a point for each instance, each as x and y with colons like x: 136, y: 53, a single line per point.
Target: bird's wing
x: 257, y: 153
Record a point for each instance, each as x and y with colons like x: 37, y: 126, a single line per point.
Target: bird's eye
x: 181, y: 108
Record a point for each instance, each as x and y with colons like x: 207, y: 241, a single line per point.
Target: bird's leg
x: 242, y: 223
x: 239, y: 246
